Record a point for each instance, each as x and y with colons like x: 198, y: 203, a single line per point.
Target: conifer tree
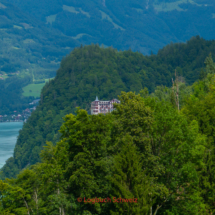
x: 129, y: 181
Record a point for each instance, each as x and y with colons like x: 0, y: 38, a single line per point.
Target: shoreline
x: 9, y: 132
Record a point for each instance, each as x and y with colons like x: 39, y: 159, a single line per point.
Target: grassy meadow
x: 32, y: 90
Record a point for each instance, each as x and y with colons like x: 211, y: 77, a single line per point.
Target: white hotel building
x: 102, y: 106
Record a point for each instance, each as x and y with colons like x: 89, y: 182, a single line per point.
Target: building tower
x: 104, y: 107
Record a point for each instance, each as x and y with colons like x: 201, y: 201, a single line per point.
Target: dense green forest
x: 155, y: 156
x: 11, y: 98
x: 92, y: 71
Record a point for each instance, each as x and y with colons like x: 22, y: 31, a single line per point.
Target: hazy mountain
x: 27, y: 45
x: 141, y: 25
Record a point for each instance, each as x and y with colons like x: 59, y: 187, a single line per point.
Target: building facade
x: 102, y: 106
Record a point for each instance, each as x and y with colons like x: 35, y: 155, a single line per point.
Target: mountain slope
x: 140, y: 25
x: 89, y: 71
x: 27, y: 45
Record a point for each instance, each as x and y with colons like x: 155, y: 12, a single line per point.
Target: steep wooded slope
x: 89, y: 71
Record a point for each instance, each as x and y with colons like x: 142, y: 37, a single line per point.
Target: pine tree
x: 129, y: 181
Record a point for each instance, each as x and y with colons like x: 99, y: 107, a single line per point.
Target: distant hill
x: 28, y: 45
x: 92, y: 71
x: 142, y: 25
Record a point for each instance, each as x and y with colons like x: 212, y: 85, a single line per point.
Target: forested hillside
x: 28, y: 46
x: 146, y: 157
x: 10, y: 95
x: 142, y: 25
x: 92, y: 71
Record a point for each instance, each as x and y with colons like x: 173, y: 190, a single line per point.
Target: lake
x: 9, y: 132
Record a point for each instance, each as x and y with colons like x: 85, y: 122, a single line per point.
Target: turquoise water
x: 8, y: 136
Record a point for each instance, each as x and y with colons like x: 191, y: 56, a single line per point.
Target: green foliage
x: 200, y: 107
x: 144, y: 149
x: 88, y: 72
x: 129, y: 181
x: 88, y: 137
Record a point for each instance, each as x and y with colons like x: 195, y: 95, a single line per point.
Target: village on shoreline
x: 20, y: 116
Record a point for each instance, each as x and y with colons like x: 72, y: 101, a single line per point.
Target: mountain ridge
x: 143, y: 26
